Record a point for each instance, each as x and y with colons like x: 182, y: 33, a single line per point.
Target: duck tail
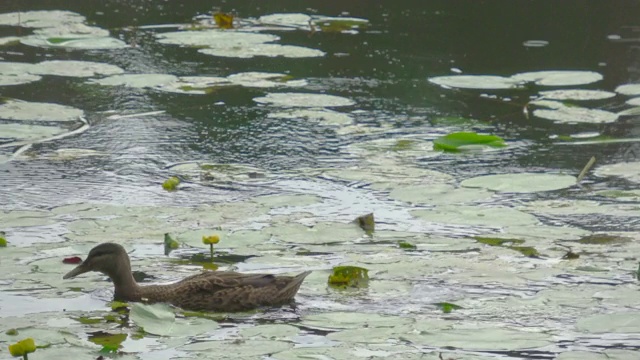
x: 289, y: 291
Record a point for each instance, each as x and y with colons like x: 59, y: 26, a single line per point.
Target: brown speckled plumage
x: 207, y: 291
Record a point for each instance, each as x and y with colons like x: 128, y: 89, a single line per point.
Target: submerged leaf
x: 447, y: 307
x: 570, y: 255
x: 406, y: 245
x: 110, y: 341
x: 601, y: 239
x: 367, y: 223
x: 349, y: 276
x: 456, y: 141
x: 497, y: 241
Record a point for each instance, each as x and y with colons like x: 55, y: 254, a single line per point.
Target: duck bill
x: 80, y: 269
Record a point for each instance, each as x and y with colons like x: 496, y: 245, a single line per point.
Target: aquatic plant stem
x: 211, y: 251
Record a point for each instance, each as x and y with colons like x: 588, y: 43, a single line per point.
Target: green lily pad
x: 10, y: 79
x: 615, y: 323
x: 136, y: 80
x: 75, y: 68
x: 159, y: 319
x: 36, y: 111
x: 602, y: 239
x: 577, y: 94
x: 349, y: 277
x: 626, y: 170
x: 268, y: 50
x: 447, y: 307
x: 487, y: 82
x: 303, y: 100
x: 558, y: 78
x: 576, y: 115
x: 458, y: 141
x: 629, y: 89
x: 522, y: 182
x: 339, y: 24
x: 322, y: 116
x: 40, y: 19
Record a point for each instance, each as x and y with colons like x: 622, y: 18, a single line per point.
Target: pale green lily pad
x: 323, y: 233
x: 349, y: 25
x: 629, y: 171
x: 398, y: 147
x: 72, y: 154
x: 35, y: 111
x: 215, y: 38
x: 521, y: 182
x: 75, y: 68
x: 264, y: 80
x: 369, y: 335
x: 354, y: 320
x: 159, y: 319
x: 578, y: 207
x: 303, y: 100
x: 244, y: 349
x: 16, y: 68
x: 296, y: 20
x: 9, y: 40
x: 136, y: 80
x: 86, y: 43
x: 576, y: 115
x: 71, y: 30
x: 270, y: 331
x: 620, y: 323
x: 322, y: 116
x: 558, y: 78
x: 577, y: 94
x: 494, y: 338
x: 40, y: 19
x: 436, y: 194
x: 193, y: 84
x: 268, y: 50
x: 634, y: 101
x: 626, y: 195
x: 629, y: 89
x: 475, y: 215
x: 284, y: 201
x: 221, y: 173
x: 7, y: 80
x: 28, y: 132
x: 487, y: 82
x: 585, y: 355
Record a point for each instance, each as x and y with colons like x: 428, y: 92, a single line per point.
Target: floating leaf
x: 601, y: 239
x: 224, y: 21
x: 521, y: 182
x: 447, y: 307
x: 336, y: 24
x: 349, y: 276
x: 3, y: 239
x: 118, y: 305
x: 527, y: 251
x: 169, y: 244
x: 570, y: 255
x: 629, y: 89
x: 366, y: 222
x: 558, y: 78
x: 497, y: 241
x: 457, y: 141
x: 72, y: 260
x: 577, y: 94
x: 11, y: 332
x: 110, y: 341
x: 171, y: 184
x: 406, y: 245
x: 87, y: 320
x: 487, y: 82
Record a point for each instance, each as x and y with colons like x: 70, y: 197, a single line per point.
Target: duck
x: 217, y: 291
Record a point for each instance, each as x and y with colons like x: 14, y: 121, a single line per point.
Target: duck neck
x: 126, y: 287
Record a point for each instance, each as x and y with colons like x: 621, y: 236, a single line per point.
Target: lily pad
x: 576, y: 115
x: 522, y: 182
x: 7, y: 80
x: 475, y: 215
x: 629, y: 89
x: 322, y: 116
x: 40, y: 19
x: 268, y: 50
x: 28, y: 132
x: 629, y: 171
x: 433, y: 194
x: 461, y: 140
x: 340, y: 24
x: 634, y: 102
x: 159, y: 319
x: 577, y: 94
x: 303, y: 100
x: 558, y: 78
x: 87, y: 43
x: 353, y: 320
x: 75, y: 68
x: 616, y: 323
x: 136, y: 80
x: 35, y: 111
x: 264, y: 80
x: 493, y: 338
x: 295, y: 20
x: 324, y: 233
x: 215, y: 38
x: 487, y: 82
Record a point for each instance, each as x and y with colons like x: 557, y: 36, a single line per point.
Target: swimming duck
x: 207, y: 291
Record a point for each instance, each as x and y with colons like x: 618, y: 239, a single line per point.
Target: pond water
x: 286, y: 128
